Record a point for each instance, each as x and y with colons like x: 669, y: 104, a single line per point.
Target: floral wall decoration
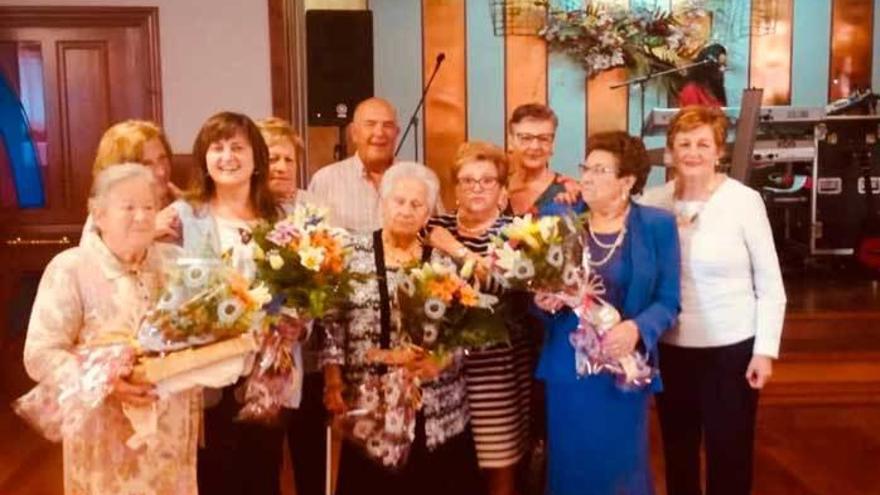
x: 602, y: 37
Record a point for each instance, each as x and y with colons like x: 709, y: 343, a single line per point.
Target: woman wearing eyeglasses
x: 498, y: 380
x: 532, y: 130
x: 597, y: 433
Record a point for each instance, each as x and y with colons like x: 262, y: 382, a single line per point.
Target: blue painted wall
x: 397, y: 60
x: 485, y: 75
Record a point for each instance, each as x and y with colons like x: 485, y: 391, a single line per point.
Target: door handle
x: 20, y: 241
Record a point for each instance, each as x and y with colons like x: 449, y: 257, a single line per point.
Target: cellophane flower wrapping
x: 58, y: 407
x: 596, y: 318
x: 540, y: 254
x: 303, y: 261
x: 383, y: 420
x: 271, y: 385
x: 440, y: 311
x: 205, y: 300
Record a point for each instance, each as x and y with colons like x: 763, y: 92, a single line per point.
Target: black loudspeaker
x: 339, y: 45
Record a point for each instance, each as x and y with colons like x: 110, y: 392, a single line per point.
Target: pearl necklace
x: 612, y: 248
x: 618, y: 241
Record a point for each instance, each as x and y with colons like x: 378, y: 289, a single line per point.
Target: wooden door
x: 76, y: 71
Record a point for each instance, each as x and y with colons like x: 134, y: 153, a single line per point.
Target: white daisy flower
x: 435, y: 308
x: 408, y: 286
x: 555, y: 256
x: 229, y: 310
x: 570, y: 275
x: 524, y: 269
x: 171, y: 298
x: 430, y: 334
x: 195, y: 276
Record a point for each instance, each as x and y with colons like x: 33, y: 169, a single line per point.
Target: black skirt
x: 449, y: 468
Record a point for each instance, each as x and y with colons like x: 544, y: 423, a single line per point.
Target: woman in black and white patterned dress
x: 442, y: 459
x: 499, y: 376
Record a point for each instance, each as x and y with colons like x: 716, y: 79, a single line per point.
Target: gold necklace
x: 399, y: 257
x: 477, y: 231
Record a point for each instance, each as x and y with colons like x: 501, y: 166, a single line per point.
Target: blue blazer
x: 652, y: 295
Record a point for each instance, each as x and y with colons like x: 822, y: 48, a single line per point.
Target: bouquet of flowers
x: 439, y: 311
x: 383, y: 422
x: 597, y: 318
x: 202, y: 330
x: 205, y: 300
x: 540, y: 254
x: 304, y: 263
x: 303, y: 260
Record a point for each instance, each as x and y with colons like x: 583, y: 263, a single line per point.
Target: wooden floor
x: 818, y: 423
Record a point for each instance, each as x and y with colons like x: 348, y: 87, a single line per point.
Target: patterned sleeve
x: 56, y: 321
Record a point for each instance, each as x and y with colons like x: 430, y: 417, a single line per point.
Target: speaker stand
x: 339, y: 149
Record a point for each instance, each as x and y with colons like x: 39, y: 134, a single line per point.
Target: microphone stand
x: 641, y: 81
x: 414, y: 120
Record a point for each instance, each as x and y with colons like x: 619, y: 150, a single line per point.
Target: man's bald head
x: 374, y: 132
x: 373, y: 105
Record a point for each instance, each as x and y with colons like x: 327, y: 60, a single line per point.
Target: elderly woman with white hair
x: 443, y: 458
x: 94, y: 294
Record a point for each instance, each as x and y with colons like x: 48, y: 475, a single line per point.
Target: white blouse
x: 731, y: 285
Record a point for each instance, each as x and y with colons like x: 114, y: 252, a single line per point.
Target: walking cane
x: 328, y: 480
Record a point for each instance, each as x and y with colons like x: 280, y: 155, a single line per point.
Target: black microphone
x: 415, y: 115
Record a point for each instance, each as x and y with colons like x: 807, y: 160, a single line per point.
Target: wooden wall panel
x: 771, y: 52
x: 84, y: 88
x: 607, y: 109
x: 851, y: 47
x: 443, y: 23
x: 525, y: 68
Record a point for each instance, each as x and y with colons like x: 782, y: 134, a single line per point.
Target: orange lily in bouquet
x: 438, y: 313
x: 303, y: 261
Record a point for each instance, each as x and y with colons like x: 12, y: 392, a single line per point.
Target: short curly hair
x: 630, y: 153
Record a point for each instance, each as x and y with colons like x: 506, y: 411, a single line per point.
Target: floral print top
x: 444, y: 399
x: 88, y: 298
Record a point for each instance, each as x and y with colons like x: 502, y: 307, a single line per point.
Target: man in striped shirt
x: 350, y: 188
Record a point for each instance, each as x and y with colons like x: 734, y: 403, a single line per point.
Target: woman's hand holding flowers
x: 621, y: 340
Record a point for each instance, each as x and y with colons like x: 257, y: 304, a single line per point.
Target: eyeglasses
x: 600, y: 170
x: 527, y: 139
x: 484, y: 182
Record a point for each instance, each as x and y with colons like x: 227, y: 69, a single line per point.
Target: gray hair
x: 411, y: 170
x: 114, y: 175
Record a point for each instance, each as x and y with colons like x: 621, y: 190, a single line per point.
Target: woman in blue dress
x: 597, y: 432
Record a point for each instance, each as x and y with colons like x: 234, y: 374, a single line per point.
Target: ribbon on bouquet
x: 596, y: 317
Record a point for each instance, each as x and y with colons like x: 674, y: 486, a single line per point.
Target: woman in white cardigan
x: 721, y: 353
